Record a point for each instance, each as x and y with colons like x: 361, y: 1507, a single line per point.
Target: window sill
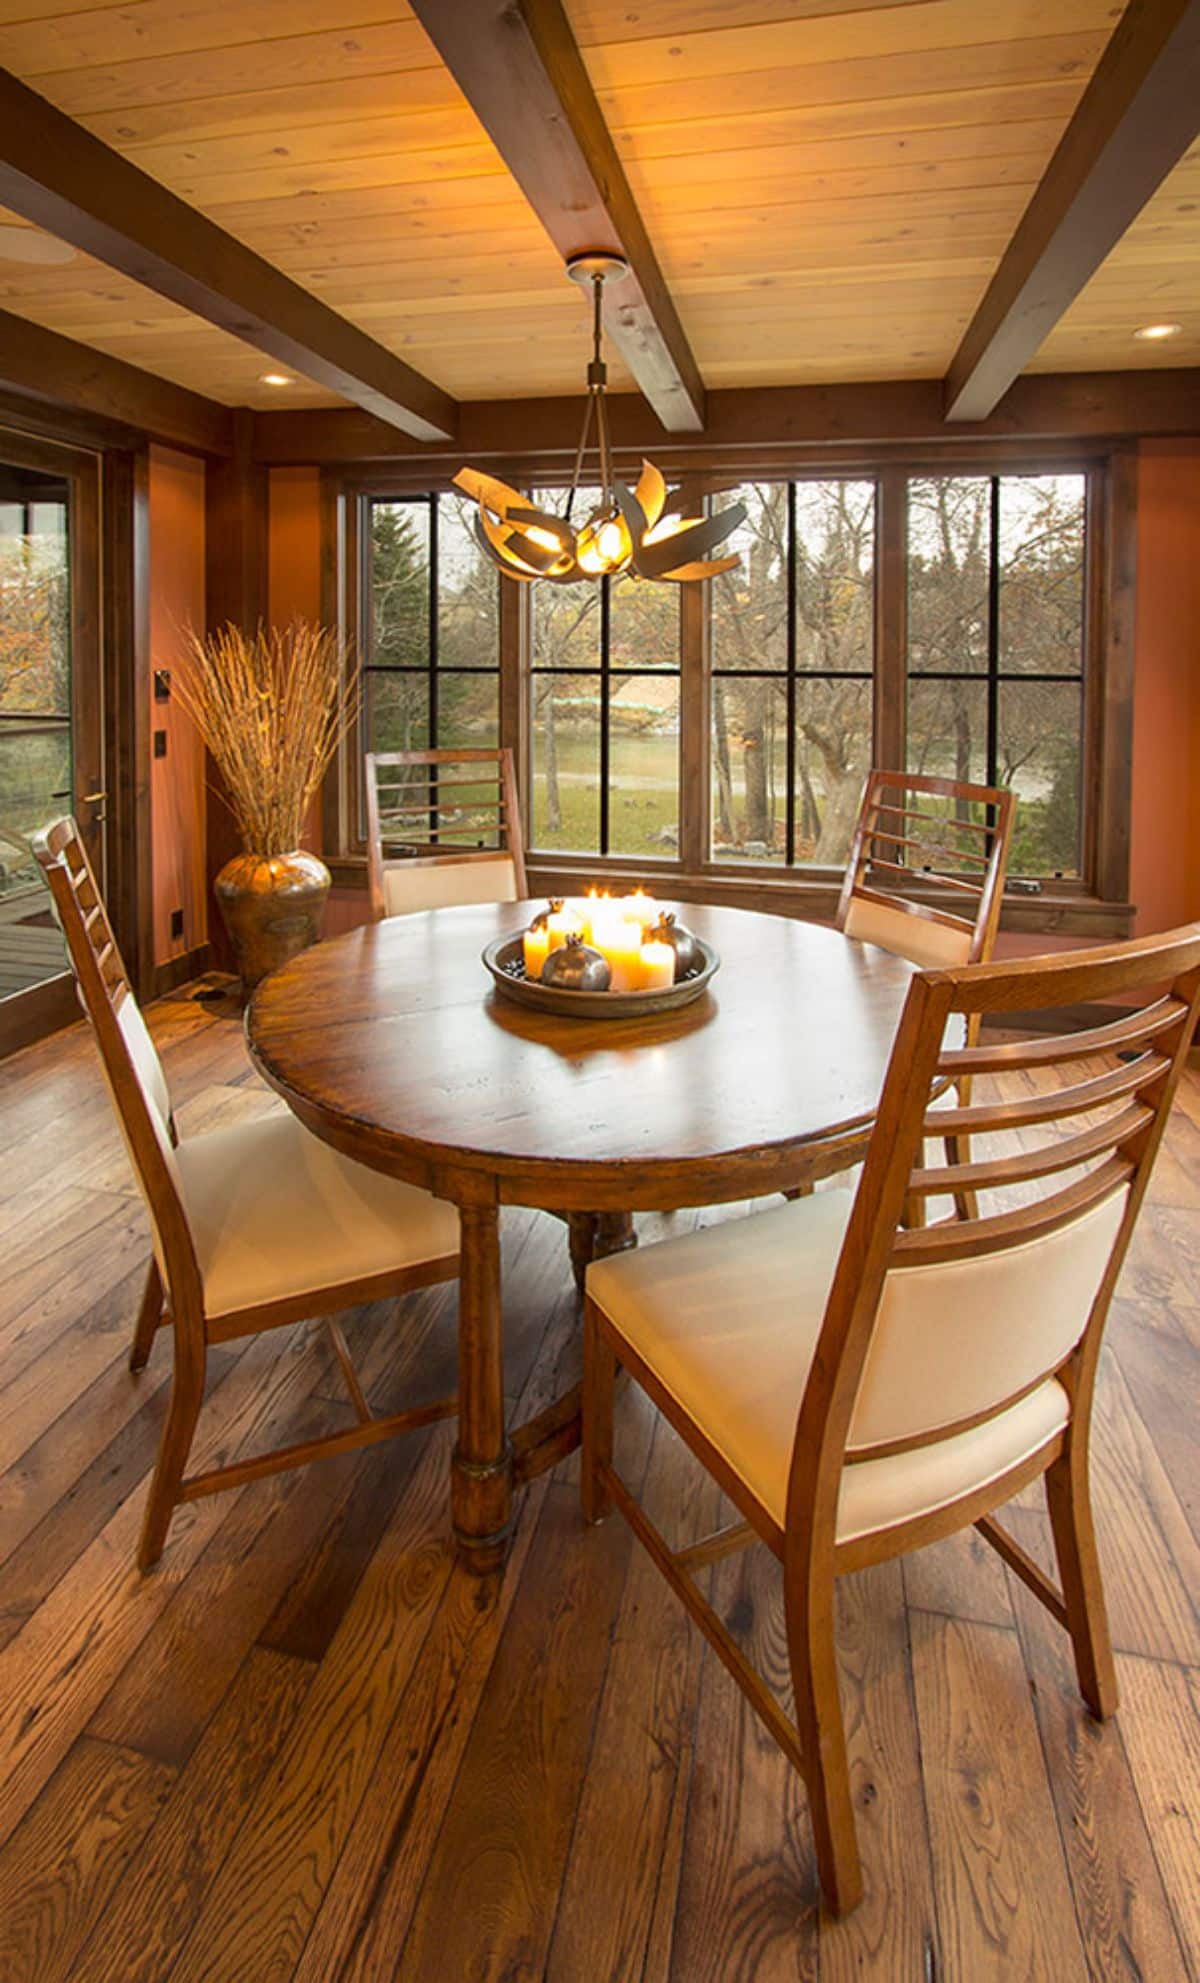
x: 1066, y: 913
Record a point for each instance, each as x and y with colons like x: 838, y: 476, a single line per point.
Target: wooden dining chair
x: 443, y: 827
x: 947, y: 839
x: 253, y: 1226
x: 859, y: 1389
x: 951, y: 840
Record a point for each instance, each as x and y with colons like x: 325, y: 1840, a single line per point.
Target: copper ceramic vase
x: 273, y: 906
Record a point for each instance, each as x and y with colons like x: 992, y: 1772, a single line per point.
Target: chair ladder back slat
x: 132, y: 1069
x: 450, y: 803
x: 943, y: 838
x: 1079, y: 1193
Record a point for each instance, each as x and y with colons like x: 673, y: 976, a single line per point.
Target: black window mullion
x: 993, y: 646
x: 789, y: 836
x: 432, y: 661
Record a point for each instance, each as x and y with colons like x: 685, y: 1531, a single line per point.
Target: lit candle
x: 597, y: 903
x: 620, y: 940
x: 537, y: 949
x: 658, y: 966
x: 564, y: 922
x: 640, y: 908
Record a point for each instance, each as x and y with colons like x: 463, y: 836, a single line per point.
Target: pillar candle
x: 620, y: 940
x: 594, y: 904
x: 537, y: 949
x: 640, y: 908
x: 658, y: 966
x: 562, y: 924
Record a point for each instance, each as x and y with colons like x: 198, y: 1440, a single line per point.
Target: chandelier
x: 633, y: 530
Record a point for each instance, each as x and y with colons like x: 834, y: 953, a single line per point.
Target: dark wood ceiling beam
x: 49, y: 367
x: 519, y: 66
x: 1135, y: 120
x: 1045, y: 407
x: 55, y: 173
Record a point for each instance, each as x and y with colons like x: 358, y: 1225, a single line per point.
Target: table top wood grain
x: 391, y: 1043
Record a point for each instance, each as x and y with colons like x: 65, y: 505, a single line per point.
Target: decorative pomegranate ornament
x: 682, y: 942
x: 575, y: 966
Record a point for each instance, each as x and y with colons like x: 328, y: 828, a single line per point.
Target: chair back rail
x: 939, y: 833
x: 446, y: 809
x: 934, y: 1329
x: 129, y: 1060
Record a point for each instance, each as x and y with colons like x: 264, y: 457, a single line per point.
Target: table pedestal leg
x: 594, y: 1235
x: 481, y: 1481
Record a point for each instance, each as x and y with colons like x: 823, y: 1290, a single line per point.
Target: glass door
x: 51, y: 713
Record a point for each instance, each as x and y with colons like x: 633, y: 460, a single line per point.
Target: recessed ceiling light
x: 1150, y: 333
x: 29, y: 244
x: 276, y: 379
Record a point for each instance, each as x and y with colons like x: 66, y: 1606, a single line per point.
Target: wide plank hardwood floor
x: 310, y: 1747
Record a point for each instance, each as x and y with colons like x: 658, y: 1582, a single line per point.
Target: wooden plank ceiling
x: 828, y: 188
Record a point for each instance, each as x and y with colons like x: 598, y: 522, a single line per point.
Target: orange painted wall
x: 177, y: 781
x: 1165, y: 855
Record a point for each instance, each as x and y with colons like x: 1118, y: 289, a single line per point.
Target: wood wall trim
x: 128, y: 402
x: 126, y: 603
x: 1047, y: 407
x: 1114, y: 645
x: 522, y: 73
x: 57, y: 174
x: 1135, y: 120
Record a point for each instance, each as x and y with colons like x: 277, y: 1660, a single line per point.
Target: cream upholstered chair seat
x: 275, y: 1214
x: 412, y: 885
x: 931, y: 946
x: 727, y: 1319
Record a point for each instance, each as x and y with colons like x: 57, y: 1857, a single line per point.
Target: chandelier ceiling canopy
x: 633, y: 530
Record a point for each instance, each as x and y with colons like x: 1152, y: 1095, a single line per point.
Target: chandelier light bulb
x: 604, y: 546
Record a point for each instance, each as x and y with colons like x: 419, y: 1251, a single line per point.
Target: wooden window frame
x: 1094, y: 906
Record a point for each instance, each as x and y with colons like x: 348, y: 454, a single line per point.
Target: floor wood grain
x: 310, y: 1749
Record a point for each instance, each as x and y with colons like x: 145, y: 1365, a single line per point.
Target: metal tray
x: 505, y: 959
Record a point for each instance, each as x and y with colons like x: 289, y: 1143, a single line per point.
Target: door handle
x: 95, y: 799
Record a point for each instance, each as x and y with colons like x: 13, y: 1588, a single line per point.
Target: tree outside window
x: 792, y: 670
x: 995, y: 648
x: 605, y: 713
x: 432, y: 668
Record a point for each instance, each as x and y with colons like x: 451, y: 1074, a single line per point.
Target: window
x: 996, y: 646
x: 604, y: 714
x: 432, y: 645
x: 793, y: 652
x: 964, y: 622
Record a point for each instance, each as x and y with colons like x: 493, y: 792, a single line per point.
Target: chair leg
x: 187, y: 1395
x: 819, y: 1724
x: 599, y: 1382
x: 1082, y: 1586
x: 149, y: 1317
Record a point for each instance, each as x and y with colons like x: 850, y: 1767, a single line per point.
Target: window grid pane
x: 605, y: 688
x: 793, y: 660
x: 432, y: 669
x: 996, y: 574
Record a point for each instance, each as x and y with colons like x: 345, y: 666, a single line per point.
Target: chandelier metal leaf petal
x: 633, y: 530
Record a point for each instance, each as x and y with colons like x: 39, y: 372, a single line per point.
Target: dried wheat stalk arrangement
x: 272, y: 708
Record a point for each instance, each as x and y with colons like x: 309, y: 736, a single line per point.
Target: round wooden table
x: 391, y: 1044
